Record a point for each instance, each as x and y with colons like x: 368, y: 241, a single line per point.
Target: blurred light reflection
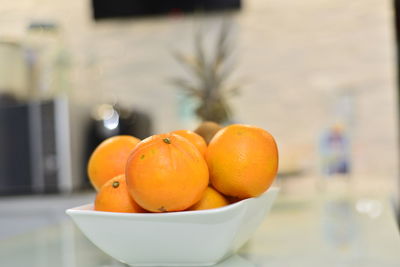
x: 370, y: 207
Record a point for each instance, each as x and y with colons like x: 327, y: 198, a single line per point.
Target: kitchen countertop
x: 313, y: 230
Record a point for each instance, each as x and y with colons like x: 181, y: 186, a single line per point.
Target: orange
x: 109, y: 159
x: 113, y: 196
x: 166, y: 173
x: 193, y: 138
x: 211, y: 199
x: 243, y: 161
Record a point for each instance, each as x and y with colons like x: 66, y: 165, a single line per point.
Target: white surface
x: 190, y: 238
x: 22, y: 214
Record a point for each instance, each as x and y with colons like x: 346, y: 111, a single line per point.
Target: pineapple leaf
x: 187, y: 87
x: 233, y: 91
x: 191, y: 63
x: 211, y: 73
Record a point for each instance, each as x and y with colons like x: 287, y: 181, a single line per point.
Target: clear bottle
x: 335, y: 146
x: 48, y: 61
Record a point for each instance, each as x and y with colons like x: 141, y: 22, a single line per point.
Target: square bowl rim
x: 79, y: 210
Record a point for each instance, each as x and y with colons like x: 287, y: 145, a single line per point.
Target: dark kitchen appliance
x: 110, y: 120
x: 34, y: 154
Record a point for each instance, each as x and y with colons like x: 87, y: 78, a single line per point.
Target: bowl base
x: 180, y: 264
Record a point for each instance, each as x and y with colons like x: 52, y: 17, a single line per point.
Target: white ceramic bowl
x: 189, y: 238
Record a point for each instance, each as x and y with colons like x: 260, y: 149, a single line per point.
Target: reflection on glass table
x: 298, y: 232
x: 65, y: 246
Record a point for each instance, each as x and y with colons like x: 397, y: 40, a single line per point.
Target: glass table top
x: 297, y: 232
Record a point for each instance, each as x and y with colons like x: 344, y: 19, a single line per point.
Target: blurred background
x: 319, y: 75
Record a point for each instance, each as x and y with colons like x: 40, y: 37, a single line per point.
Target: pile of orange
x: 179, y: 171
